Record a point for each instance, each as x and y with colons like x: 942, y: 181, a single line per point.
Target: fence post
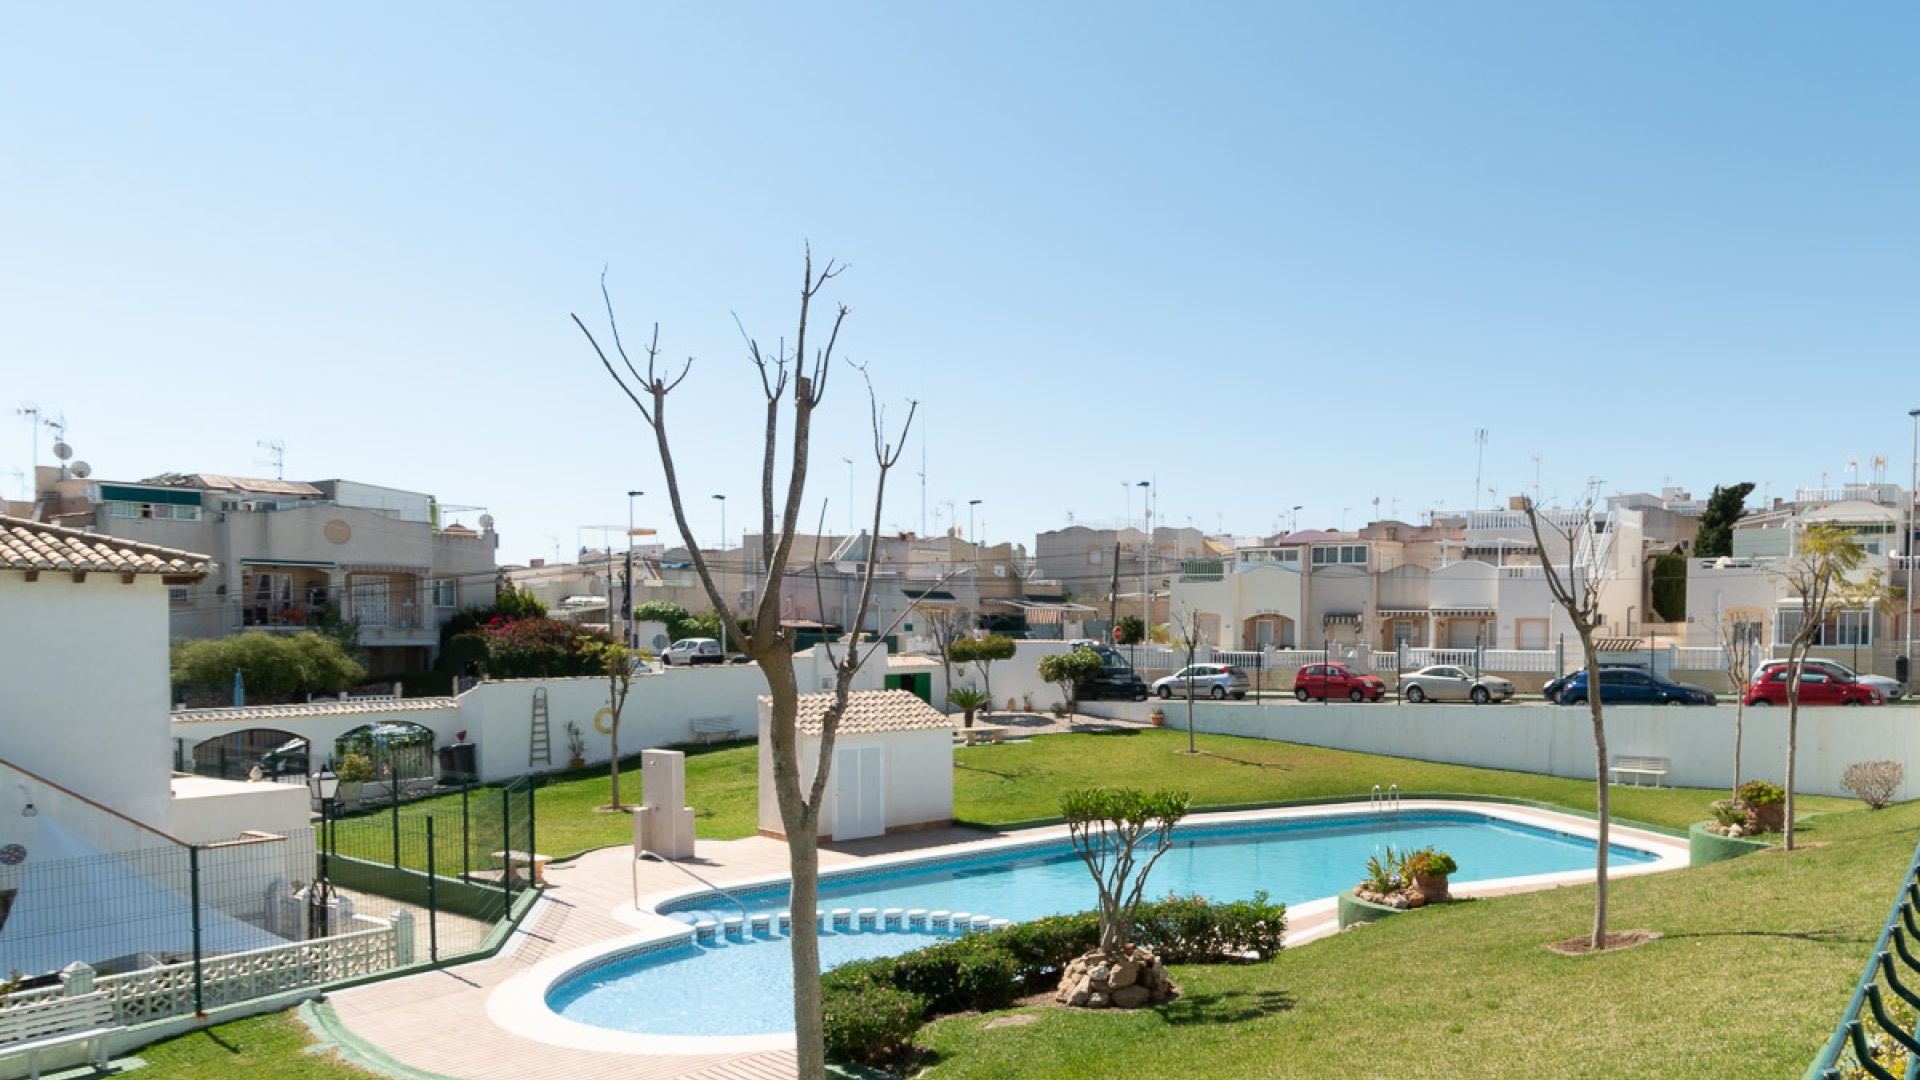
x: 433, y: 900
x: 466, y: 841
x: 76, y: 979
x: 532, y: 844
x: 506, y: 846
x: 402, y: 937
x: 393, y: 798
x: 199, y: 976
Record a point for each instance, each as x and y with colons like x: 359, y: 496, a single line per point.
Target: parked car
x: 1323, y: 681
x: 1114, y: 681
x: 1634, y: 686
x: 1444, y: 682
x: 1552, y: 690
x: 1817, y: 687
x: 693, y: 650
x: 1214, y: 680
x: 1890, y: 689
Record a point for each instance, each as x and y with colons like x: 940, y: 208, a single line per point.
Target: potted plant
x: 1428, y: 870
x: 576, y: 746
x: 1766, y: 805
x: 1157, y: 717
x: 355, y: 772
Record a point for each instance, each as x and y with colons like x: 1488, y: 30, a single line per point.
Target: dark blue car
x: 1633, y: 686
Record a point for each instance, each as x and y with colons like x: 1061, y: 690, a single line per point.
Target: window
x: 1853, y: 628
x: 272, y: 588
x: 1745, y: 632
x: 179, y: 595
x: 1095, y: 556
x: 1340, y: 555
x: 157, y: 511
x: 446, y: 593
x: 1531, y: 633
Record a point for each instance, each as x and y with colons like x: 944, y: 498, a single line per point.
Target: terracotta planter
x: 1157, y: 719
x: 1431, y: 886
x: 1770, y: 816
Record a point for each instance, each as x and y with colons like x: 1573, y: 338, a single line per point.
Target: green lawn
x: 272, y: 1047
x: 1757, y: 958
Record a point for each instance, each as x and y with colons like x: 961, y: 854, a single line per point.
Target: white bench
x: 34, y: 1028
x: 514, y: 859
x: 1638, y: 767
x: 715, y: 729
x: 980, y: 733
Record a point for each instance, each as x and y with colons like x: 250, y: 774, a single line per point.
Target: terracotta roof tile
x: 873, y: 711
x: 33, y: 545
x: 313, y: 708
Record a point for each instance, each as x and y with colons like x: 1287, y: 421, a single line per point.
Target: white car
x: 1445, y: 682
x: 693, y: 650
x: 1214, y: 680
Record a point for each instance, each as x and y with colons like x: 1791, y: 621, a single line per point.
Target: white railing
x: 1696, y: 658
x: 156, y: 993
x: 1520, y: 660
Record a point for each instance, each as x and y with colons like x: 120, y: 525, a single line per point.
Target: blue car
x: 1633, y: 686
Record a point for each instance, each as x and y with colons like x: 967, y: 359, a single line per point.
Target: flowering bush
x: 538, y: 648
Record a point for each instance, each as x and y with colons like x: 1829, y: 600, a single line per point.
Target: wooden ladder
x: 540, y: 752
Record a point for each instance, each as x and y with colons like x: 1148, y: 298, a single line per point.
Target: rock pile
x: 1129, y: 980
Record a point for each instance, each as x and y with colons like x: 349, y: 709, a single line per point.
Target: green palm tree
x: 969, y: 699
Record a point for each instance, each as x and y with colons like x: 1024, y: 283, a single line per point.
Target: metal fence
x: 1871, y: 1040
x: 460, y: 860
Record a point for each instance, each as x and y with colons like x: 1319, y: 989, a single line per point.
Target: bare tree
x: 1577, y: 591
x: 1186, y: 634
x: 1819, y: 574
x: 1739, y: 649
x: 792, y: 383
x: 947, y: 623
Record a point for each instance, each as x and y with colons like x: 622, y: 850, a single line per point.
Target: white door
x: 858, y: 786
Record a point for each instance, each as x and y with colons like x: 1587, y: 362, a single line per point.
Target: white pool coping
x: 519, y: 1005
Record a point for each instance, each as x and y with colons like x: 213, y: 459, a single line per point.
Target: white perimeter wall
x: 83, y: 687
x: 1557, y: 740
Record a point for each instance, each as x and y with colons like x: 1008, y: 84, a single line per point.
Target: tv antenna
x: 276, y: 456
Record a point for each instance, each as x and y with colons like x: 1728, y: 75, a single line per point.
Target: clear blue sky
x: 1268, y: 254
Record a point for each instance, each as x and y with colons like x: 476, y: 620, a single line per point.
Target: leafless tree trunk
x: 771, y: 644
x: 1578, y: 593
x: 1737, y: 653
x: 947, y: 623
x: 1186, y: 630
x: 1817, y: 573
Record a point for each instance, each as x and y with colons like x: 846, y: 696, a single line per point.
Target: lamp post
x: 1293, y: 520
x: 1913, y: 474
x: 722, y: 499
x: 323, y: 785
x: 1146, y: 554
x: 626, y: 606
x: 974, y: 539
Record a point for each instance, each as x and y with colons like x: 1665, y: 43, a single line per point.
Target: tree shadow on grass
x: 1827, y: 937
x: 1231, y: 1007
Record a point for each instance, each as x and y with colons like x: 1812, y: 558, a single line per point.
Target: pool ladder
x: 644, y: 854
x: 1383, y: 803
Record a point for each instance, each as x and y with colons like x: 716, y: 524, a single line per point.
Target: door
x: 1263, y: 634
x: 370, y: 600
x: 859, y: 808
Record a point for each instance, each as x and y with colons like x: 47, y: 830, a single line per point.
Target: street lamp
x: 1293, y: 520
x: 1146, y: 553
x: 973, y: 538
x: 626, y: 605
x: 1913, y: 474
x: 723, y: 569
x: 323, y: 786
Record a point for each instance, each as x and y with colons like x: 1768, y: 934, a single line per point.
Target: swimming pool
x: 713, y: 986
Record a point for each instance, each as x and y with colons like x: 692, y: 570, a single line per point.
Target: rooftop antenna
x: 1536, y: 478
x: 1480, y: 457
x: 276, y: 456
x: 923, y: 479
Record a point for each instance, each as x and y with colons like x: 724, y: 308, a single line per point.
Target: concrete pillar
x: 664, y: 823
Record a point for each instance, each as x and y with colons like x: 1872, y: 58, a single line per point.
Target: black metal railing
x: 1879, y: 1034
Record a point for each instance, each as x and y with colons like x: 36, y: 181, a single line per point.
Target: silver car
x: 1214, y: 680
x: 1444, y: 682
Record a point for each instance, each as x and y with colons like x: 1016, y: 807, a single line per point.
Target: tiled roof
x: 314, y: 708
x: 34, y: 545
x: 872, y: 711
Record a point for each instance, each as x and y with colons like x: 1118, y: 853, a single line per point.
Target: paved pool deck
x: 485, y: 1021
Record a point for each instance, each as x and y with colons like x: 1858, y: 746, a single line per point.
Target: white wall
x: 83, y: 687
x: 1557, y: 740
x: 918, y: 770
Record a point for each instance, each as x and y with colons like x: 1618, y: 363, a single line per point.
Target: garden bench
x: 981, y: 733
x: 513, y: 859
x: 1637, y: 767
x: 715, y: 729
x: 34, y: 1028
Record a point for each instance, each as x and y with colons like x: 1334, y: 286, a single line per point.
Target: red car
x: 1816, y: 688
x: 1334, y: 680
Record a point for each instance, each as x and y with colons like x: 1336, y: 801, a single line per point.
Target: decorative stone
x: 1131, y: 997
x: 1128, y: 981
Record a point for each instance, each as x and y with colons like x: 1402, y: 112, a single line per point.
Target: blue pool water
x: 676, y: 991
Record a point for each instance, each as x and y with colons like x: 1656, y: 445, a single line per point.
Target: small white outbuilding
x: 892, y: 765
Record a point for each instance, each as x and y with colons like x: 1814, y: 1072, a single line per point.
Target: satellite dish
x: 62, y: 451
x: 81, y: 470
x: 486, y: 521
